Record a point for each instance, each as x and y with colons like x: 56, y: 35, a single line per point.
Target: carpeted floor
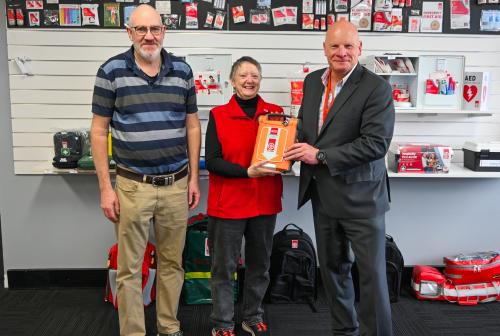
x: 82, y: 312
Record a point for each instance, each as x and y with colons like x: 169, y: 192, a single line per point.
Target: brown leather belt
x: 156, y: 180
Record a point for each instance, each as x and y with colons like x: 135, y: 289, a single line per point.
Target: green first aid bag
x: 197, y: 263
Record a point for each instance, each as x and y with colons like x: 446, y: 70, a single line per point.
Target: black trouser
x: 337, y: 240
x: 224, y: 239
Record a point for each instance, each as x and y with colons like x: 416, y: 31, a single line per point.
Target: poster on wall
x: 361, y: 14
x: 208, y: 83
x: 211, y: 78
x: 460, y: 14
x: 432, y: 17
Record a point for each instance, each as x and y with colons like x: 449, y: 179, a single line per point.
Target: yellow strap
x: 202, y: 275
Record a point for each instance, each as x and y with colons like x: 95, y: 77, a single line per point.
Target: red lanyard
x: 327, y: 106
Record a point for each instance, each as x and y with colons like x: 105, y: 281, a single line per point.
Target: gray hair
x: 245, y: 59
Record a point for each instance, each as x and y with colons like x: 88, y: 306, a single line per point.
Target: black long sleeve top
x: 213, y: 148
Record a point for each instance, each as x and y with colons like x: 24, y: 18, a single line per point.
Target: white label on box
x: 489, y: 163
x: 272, y: 142
x: 207, y: 250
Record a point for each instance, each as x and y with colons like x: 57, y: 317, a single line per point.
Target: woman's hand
x: 258, y: 170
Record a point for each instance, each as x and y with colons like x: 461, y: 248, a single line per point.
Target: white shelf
x: 396, y: 73
x: 457, y: 170
x: 435, y: 111
x: 57, y: 171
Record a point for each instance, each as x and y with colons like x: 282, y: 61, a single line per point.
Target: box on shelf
x: 483, y: 156
x: 420, y: 158
x: 475, y: 93
x: 440, y: 80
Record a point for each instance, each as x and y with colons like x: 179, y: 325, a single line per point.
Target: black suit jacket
x: 355, y: 136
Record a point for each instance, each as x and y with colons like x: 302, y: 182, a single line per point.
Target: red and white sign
x: 475, y: 94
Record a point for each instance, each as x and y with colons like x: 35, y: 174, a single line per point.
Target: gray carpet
x: 83, y: 312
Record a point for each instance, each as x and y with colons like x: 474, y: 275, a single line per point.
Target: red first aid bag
x: 472, y: 268
x: 429, y: 284
x: 148, y: 275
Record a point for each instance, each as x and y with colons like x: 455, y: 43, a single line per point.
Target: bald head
x: 342, y: 28
x: 342, y: 48
x: 144, y: 13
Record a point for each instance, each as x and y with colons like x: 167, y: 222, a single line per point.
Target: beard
x: 148, y: 55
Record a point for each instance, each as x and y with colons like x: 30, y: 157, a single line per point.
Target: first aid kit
x: 68, y: 149
x: 276, y: 132
x: 148, y: 275
x: 197, y: 263
x: 472, y: 268
x: 421, y: 158
x: 430, y: 284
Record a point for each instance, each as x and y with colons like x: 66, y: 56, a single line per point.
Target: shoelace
x: 229, y: 332
x: 261, y: 326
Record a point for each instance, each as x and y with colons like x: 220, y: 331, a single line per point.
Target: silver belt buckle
x: 162, y: 180
x: 158, y: 181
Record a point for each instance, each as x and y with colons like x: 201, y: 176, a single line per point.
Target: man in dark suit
x: 346, y: 126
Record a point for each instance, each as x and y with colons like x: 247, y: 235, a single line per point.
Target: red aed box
x: 276, y: 133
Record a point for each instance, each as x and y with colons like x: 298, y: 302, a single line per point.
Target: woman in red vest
x: 243, y: 201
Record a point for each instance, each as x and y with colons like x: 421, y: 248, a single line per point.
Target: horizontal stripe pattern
x: 148, y: 118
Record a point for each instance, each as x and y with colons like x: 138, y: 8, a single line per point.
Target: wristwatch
x: 321, y: 156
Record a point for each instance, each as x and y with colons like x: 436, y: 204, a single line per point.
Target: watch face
x: 321, y: 156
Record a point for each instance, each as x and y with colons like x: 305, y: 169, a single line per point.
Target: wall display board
x: 426, y: 16
x: 211, y: 77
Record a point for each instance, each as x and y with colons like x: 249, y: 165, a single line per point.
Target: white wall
x: 53, y: 221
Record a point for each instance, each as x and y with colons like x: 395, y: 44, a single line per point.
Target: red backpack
x: 148, y: 275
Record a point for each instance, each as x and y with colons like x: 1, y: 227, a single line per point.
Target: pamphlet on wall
x: 163, y: 7
x: 413, y: 24
x: 460, y: 14
x: 432, y: 17
x: 361, y: 14
x: 490, y: 20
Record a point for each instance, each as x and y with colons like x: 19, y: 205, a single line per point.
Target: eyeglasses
x: 143, y: 30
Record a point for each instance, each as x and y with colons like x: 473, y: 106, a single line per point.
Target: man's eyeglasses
x: 143, y: 30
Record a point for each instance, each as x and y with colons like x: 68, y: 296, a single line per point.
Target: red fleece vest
x: 230, y: 197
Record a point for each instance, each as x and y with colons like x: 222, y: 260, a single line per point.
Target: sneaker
x: 222, y: 332
x: 257, y: 328
x: 177, y: 333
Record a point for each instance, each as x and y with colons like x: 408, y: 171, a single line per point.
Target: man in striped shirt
x: 147, y: 97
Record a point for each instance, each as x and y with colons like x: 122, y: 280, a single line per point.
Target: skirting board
x: 46, y: 278
x: 85, y: 277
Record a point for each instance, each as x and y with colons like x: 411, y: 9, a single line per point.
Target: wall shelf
x: 437, y: 111
x: 457, y: 170
x: 396, y: 74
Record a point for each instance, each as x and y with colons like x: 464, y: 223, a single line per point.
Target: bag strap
x: 291, y: 224
x: 199, y: 221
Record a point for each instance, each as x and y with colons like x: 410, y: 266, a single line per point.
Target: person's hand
x: 258, y: 170
x: 302, y: 151
x: 110, y: 205
x: 193, y: 193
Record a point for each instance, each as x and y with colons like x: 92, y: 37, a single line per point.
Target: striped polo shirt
x: 148, y: 116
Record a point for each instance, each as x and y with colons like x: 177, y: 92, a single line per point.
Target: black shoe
x: 222, y: 332
x: 177, y: 333
x: 256, y: 329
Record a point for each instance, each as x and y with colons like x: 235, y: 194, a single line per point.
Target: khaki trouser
x: 167, y: 205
